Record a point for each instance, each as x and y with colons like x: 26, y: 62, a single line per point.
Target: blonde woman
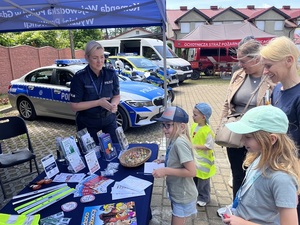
x: 279, y: 58
x: 95, y: 94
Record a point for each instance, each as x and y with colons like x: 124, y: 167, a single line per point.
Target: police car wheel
x: 26, y: 109
x: 122, y: 119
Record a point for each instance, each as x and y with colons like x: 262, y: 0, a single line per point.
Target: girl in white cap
x: 268, y: 194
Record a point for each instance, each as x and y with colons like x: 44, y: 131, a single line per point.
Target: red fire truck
x: 211, y: 60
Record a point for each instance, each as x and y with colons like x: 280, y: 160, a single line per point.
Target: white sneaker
x: 202, y: 204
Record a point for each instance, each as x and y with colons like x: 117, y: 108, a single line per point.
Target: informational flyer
x: 135, y: 183
x: 92, y: 162
x: 75, y: 162
x: 50, y: 165
x: 150, y: 166
x: 69, y: 177
x: 93, y: 184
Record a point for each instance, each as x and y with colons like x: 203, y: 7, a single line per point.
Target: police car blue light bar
x: 67, y: 62
x: 128, y: 54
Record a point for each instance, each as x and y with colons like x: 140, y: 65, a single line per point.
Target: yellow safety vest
x: 204, y: 159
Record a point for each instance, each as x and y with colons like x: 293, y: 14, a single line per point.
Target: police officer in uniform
x: 95, y: 94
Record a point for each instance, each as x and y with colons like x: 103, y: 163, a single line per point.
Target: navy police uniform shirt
x: 86, y: 86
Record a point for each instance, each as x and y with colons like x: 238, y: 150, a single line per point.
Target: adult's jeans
x: 236, y: 158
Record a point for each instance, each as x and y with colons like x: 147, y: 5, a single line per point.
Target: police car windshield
x: 169, y: 52
x: 142, y: 62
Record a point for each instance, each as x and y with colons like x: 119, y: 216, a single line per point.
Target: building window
x: 137, y: 32
x: 260, y: 25
x: 278, y: 25
x: 185, y: 28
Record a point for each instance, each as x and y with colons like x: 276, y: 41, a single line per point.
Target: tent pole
x: 165, y: 64
x: 72, y: 44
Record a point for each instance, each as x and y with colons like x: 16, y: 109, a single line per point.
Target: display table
x: 143, y: 210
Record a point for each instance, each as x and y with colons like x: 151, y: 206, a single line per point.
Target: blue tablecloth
x: 143, y: 210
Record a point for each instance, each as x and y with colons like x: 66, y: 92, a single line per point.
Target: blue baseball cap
x: 267, y: 118
x: 175, y: 114
x: 205, y: 109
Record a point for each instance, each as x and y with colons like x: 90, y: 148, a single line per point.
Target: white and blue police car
x: 45, y: 91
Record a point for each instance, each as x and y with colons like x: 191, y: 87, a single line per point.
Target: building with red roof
x: 275, y: 21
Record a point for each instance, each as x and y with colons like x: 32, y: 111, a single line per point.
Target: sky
x: 205, y: 4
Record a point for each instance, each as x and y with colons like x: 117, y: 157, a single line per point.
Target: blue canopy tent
x: 23, y: 15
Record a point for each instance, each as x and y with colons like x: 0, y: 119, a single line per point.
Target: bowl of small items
x: 135, y: 156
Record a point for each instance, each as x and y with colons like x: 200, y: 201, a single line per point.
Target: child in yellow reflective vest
x: 203, y: 139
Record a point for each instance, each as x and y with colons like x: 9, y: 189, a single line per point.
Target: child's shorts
x: 184, y: 210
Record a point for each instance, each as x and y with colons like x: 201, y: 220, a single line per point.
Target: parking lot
x: 211, y: 90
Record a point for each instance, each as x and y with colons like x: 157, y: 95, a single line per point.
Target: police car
x: 45, y: 91
x: 127, y: 63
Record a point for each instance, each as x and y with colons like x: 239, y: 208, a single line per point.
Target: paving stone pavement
x: 211, y: 90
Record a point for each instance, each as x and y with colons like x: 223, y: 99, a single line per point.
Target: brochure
x: 92, y: 161
x: 50, y: 165
x: 150, y: 166
x: 69, y: 146
x: 106, y: 146
x: 69, y: 177
x: 118, y: 192
x: 93, y: 184
x: 135, y: 183
x: 122, y: 139
x: 75, y: 162
x: 87, y: 143
x: 112, y: 213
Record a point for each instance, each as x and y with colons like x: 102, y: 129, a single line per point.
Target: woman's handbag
x: 225, y: 137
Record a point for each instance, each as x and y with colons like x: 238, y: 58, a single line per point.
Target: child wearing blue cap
x: 203, y: 140
x: 268, y: 194
x: 179, y: 165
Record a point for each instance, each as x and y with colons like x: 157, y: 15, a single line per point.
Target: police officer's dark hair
x: 92, y: 46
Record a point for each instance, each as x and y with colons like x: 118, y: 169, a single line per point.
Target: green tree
x: 7, y: 39
x: 81, y: 37
x: 53, y: 38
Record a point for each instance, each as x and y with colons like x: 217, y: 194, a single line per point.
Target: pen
x: 144, y: 173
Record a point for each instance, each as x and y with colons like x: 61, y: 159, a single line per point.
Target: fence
x: 16, y: 61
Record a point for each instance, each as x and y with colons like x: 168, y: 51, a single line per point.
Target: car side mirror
x: 154, y: 56
x: 68, y: 84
